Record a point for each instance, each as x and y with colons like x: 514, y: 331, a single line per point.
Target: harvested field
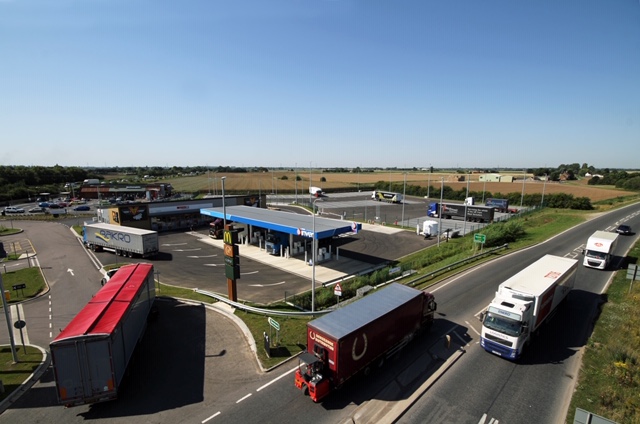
x: 274, y: 183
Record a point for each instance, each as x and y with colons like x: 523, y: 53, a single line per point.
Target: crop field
x: 285, y: 182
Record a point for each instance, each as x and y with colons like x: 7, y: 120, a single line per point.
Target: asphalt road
x: 482, y: 386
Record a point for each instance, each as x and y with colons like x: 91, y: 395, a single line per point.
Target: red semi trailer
x: 348, y: 340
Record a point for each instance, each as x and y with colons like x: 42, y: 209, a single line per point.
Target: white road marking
x: 213, y: 416
x: 187, y: 250
x: 70, y: 271
x: 209, y: 264
x: 198, y: 257
x: 471, y: 327
x: 276, y: 379
x: 174, y: 244
x: 266, y: 285
x: 243, y: 398
x: 249, y: 273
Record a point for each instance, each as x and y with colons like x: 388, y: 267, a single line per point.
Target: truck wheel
x: 130, y: 254
x: 305, y: 390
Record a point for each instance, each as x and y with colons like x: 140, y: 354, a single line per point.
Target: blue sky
x: 470, y: 84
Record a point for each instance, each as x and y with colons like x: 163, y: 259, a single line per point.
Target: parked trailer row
x: 91, y: 354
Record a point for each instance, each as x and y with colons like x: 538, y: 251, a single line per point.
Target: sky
x: 320, y: 83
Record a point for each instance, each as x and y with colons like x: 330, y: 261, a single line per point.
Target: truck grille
x: 498, y: 340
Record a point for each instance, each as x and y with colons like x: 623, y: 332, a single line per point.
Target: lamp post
x: 524, y: 178
x: 313, y: 257
x: 440, y: 209
x: 224, y: 209
x: 544, y: 185
x: 404, y: 191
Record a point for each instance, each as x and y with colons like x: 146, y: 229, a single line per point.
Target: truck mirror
x: 481, y: 316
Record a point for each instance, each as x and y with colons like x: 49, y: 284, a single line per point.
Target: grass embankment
x: 13, y: 374
x: 610, y: 376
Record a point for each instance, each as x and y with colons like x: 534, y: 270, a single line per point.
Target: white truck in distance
x: 524, y: 302
x: 599, y: 251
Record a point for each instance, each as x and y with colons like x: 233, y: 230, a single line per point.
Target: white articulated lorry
x: 599, y: 251
x: 124, y: 241
x: 524, y: 302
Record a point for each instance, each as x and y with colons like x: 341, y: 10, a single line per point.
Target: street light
x: 524, y: 178
x: 224, y: 209
x: 313, y: 257
x: 404, y: 193
x: 544, y: 185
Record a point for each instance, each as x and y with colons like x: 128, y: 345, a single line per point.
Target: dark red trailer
x: 350, y: 339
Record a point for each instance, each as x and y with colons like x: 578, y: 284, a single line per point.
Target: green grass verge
x: 31, y: 277
x: 14, y: 374
x: 609, y: 382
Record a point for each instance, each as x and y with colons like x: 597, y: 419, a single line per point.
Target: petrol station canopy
x: 285, y: 222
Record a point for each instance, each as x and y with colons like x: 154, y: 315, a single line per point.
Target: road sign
x: 337, y: 290
x: 273, y: 323
x: 479, y: 238
x: 19, y: 286
x: 632, y: 272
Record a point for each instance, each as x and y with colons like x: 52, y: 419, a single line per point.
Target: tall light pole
x: 428, y: 184
x: 524, y: 178
x: 544, y: 185
x: 440, y: 209
x: 296, y: 182
x: 313, y: 257
x: 224, y: 209
x: 8, y: 320
x: 404, y: 191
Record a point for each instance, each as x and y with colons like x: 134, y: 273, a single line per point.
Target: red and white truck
x: 350, y: 339
x: 524, y: 302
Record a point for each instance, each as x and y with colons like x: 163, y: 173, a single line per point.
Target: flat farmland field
x: 285, y: 182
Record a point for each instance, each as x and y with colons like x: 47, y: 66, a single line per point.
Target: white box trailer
x: 599, y: 251
x: 429, y: 229
x: 524, y: 302
x: 124, y: 241
x: 91, y: 354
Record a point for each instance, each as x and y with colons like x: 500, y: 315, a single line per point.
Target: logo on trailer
x: 357, y: 357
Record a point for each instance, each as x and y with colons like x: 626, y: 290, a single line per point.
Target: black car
x: 82, y: 208
x: 624, y: 229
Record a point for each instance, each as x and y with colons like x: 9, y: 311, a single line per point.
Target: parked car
x: 43, y: 204
x: 624, y: 229
x: 82, y: 208
x: 13, y: 209
x: 108, y: 275
x: 36, y: 209
x: 54, y: 206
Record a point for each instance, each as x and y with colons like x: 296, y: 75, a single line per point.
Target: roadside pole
x: 8, y: 319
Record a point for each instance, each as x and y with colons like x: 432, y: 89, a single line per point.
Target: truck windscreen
x: 503, y: 325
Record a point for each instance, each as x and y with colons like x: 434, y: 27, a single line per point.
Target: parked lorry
x: 524, y: 302
x: 599, y: 251
x: 276, y: 242
x: 316, y: 191
x: 476, y: 213
x: 387, y: 196
x: 429, y: 228
x: 500, y: 205
x: 90, y: 356
x: 216, y: 228
x: 352, y: 338
x: 124, y: 241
